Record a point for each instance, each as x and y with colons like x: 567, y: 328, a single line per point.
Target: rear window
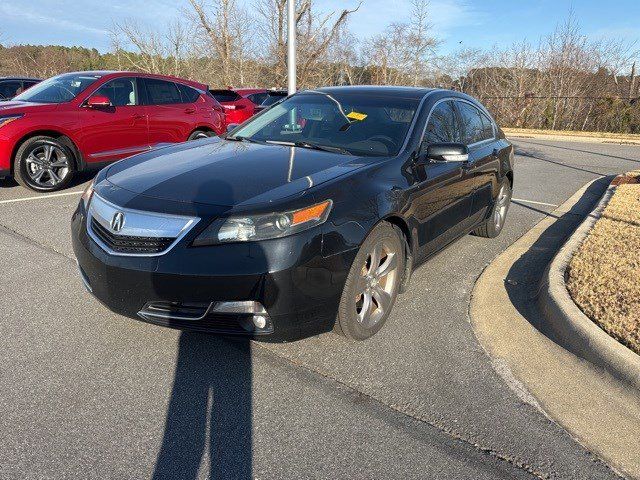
x: 160, y: 92
x: 188, y: 94
x: 273, y: 98
x: 225, y: 95
x: 258, y: 98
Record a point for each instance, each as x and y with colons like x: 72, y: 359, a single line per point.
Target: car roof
x: 383, y: 90
x: 117, y: 73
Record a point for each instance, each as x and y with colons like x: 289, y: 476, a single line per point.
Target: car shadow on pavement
x: 522, y: 282
x: 209, y: 412
x: 78, y: 179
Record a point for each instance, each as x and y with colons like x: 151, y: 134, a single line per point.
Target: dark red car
x: 236, y: 107
x: 77, y: 121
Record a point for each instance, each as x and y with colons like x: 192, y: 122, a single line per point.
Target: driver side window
x: 443, y: 125
x: 121, y: 92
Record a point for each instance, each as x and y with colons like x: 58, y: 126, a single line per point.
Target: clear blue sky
x: 475, y: 23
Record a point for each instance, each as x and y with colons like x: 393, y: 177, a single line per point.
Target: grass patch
x: 604, y: 274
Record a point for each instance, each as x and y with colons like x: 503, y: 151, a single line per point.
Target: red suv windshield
x: 62, y: 88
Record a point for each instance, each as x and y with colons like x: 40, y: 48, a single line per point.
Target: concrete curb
x: 614, y: 139
x: 568, y: 325
x: 597, y: 409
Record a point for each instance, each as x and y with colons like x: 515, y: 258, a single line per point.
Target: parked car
x: 309, y: 217
x: 236, y: 107
x: 12, y: 86
x: 272, y: 97
x: 82, y: 120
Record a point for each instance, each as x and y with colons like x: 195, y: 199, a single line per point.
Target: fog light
x: 259, y: 321
x: 253, y: 317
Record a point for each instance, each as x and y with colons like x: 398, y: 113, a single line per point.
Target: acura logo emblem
x: 117, y: 222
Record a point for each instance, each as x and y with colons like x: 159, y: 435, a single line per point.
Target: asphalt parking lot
x: 85, y: 393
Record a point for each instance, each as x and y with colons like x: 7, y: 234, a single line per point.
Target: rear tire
x: 372, y: 284
x: 494, y: 224
x: 44, y: 164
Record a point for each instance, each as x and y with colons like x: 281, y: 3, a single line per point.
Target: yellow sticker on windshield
x: 357, y: 116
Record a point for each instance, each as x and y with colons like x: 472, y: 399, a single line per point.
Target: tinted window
x: 367, y: 125
x: 475, y: 130
x: 10, y: 89
x: 121, y: 92
x: 487, y: 127
x: 188, y: 94
x: 273, y: 98
x: 29, y: 83
x: 61, y: 88
x: 225, y: 95
x: 161, y: 92
x: 258, y: 98
x: 443, y: 126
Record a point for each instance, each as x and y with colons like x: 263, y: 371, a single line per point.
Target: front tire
x: 494, y: 224
x: 372, y: 284
x: 199, y: 134
x: 44, y: 164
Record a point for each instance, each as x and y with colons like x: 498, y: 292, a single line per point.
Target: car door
x: 170, y: 120
x: 119, y: 130
x: 441, y: 201
x: 482, y: 169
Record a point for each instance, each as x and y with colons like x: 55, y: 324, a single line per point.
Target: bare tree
x: 316, y: 34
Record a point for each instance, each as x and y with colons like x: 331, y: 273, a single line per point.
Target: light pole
x: 291, y: 47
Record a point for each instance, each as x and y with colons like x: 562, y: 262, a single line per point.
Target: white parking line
x: 39, y: 197
x: 534, y: 203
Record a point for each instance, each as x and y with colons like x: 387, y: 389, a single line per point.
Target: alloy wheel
x: 502, y: 204
x: 47, y: 165
x: 376, y: 284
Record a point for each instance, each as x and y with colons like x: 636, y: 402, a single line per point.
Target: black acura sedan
x: 309, y: 217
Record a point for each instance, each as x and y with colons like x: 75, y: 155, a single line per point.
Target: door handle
x: 190, y: 110
x: 138, y: 116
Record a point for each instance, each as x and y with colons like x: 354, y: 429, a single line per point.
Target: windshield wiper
x: 244, y: 139
x: 312, y: 146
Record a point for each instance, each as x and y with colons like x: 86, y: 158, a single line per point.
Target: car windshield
x: 62, y: 88
x: 358, y: 124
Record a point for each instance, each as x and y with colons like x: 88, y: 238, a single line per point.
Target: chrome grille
x: 130, y: 244
x: 137, y: 233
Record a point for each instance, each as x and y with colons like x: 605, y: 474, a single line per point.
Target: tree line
x: 564, y: 81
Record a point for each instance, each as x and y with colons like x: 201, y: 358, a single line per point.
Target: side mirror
x: 448, y: 152
x: 98, y: 101
x: 231, y: 126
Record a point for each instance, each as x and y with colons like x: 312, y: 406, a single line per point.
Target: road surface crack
x: 407, y: 411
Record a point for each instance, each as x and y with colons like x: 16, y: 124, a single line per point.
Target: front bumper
x: 299, y: 288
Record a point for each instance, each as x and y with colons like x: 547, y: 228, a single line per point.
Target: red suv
x: 83, y: 120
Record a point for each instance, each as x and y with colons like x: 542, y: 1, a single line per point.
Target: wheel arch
x: 509, y: 175
x: 409, y: 243
x: 78, y: 159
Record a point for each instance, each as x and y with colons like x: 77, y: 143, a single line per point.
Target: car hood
x: 228, y: 173
x: 11, y: 106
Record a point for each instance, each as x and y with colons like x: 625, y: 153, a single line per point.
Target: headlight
x: 6, y: 119
x: 252, y: 228
x: 88, y: 193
